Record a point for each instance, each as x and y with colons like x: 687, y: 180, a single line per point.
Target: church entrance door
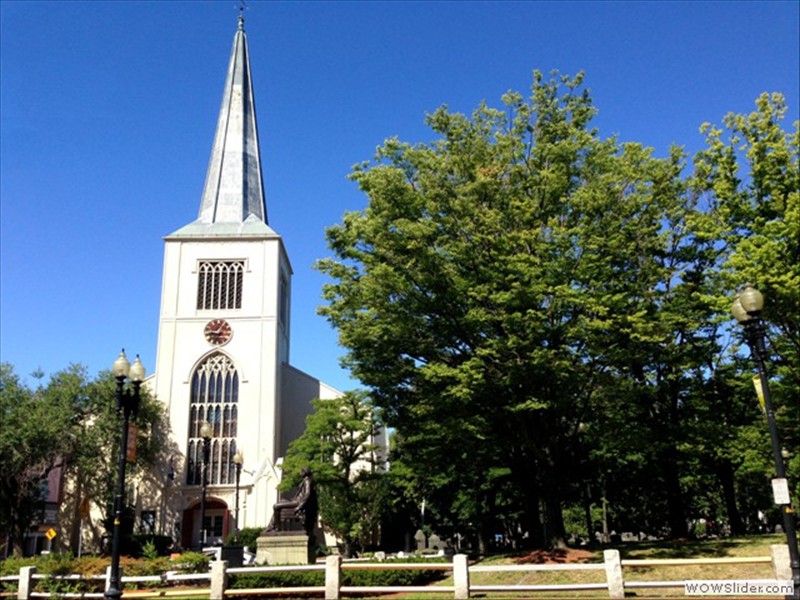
x: 215, y: 524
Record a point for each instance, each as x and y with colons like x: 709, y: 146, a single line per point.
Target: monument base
x: 285, y: 548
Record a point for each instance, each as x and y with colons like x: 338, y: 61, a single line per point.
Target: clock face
x: 218, y: 332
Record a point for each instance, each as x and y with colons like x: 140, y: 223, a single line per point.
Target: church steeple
x: 234, y: 188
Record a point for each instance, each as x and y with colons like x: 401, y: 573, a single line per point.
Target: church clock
x: 218, y: 332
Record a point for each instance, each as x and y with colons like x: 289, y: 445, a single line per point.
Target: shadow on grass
x: 679, y: 549
x: 718, y: 548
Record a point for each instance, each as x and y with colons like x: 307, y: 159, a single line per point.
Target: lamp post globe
x: 746, y: 310
x: 739, y: 313
x: 127, y: 407
x: 751, y: 299
x: 122, y: 365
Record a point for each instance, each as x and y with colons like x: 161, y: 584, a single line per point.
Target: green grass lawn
x: 747, y: 546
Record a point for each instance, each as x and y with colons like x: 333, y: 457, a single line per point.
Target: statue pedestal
x: 285, y: 548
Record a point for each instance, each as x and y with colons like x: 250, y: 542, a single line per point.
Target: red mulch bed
x: 552, y: 557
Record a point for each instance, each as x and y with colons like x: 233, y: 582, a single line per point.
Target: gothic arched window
x: 214, y: 393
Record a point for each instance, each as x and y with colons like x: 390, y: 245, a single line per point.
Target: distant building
x: 42, y: 537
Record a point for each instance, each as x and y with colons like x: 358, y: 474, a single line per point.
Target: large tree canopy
x: 534, y: 306
x: 70, y: 422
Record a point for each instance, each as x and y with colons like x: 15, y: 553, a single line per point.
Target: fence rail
x: 333, y: 568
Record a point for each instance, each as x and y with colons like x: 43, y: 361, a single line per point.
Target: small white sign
x: 780, y: 490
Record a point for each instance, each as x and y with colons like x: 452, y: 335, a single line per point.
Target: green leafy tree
x: 338, y: 445
x: 93, y: 464
x: 749, y: 180
x: 519, y: 276
x: 71, y: 422
x: 496, y: 277
x: 32, y: 443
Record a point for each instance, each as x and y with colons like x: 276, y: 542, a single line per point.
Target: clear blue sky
x: 109, y: 108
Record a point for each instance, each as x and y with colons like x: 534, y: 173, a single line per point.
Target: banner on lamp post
x: 759, y: 392
x: 130, y: 451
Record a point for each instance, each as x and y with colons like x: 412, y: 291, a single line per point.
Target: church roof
x: 251, y: 227
x: 234, y: 188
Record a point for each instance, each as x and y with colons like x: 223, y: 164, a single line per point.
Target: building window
x: 213, y: 524
x: 214, y: 398
x: 283, y: 300
x: 219, y: 284
x: 148, y: 521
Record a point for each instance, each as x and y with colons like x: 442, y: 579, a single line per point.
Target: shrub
x: 393, y: 577
x: 271, y: 580
x: 58, y: 565
x: 140, y: 567
x: 249, y: 536
x: 12, y: 565
x: 91, y: 565
x: 157, y: 545
x: 191, y: 562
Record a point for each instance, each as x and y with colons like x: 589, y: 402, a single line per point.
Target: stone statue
x: 302, y: 509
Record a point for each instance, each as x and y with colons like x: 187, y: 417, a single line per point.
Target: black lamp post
x: 238, y: 459
x: 127, y: 405
x: 205, y: 433
x: 747, y: 310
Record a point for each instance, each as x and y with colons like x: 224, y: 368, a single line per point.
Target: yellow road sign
x: 50, y: 534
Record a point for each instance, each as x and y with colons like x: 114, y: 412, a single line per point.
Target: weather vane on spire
x: 242, y: 7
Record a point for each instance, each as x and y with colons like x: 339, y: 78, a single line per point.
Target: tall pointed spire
x: 234, y: 188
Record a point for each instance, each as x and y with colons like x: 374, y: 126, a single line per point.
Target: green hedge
x: 270, y: 580
x: 355, y: 578
x: 396, y: 577
x: 247, y: 538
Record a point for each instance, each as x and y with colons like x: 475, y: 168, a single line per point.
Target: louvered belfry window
x: 214, y: 398
x: 219, y: 284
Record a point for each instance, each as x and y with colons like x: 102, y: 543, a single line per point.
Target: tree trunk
x: 554, y: 526
x: 676, y: 513
x: 725, y: 475
x: 676, y: 517
x: 554, y: 534
x: 77, y: 521
x: 532, y: 519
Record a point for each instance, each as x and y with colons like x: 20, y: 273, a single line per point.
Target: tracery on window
x: 219, y: 284
x: 214, y: 398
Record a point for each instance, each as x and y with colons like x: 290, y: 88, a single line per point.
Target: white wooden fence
x: 217, y: 588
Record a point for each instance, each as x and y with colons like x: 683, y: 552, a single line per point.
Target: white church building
x: 224, y: 337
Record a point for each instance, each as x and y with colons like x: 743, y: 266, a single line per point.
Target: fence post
x: 333, y: 576
x: 219, y: 579
x: 461, y: 576
x: 108, y: 578
x: 616, y: 587
x: 25, y: 586
x: 780, y: 561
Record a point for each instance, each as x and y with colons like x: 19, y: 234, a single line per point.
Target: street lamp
x: 205, y: 433
x: 238, y: 459
x: 747, y: 310
x: 127, y: 405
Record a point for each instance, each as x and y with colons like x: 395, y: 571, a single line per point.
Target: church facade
x: 223, y: 342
